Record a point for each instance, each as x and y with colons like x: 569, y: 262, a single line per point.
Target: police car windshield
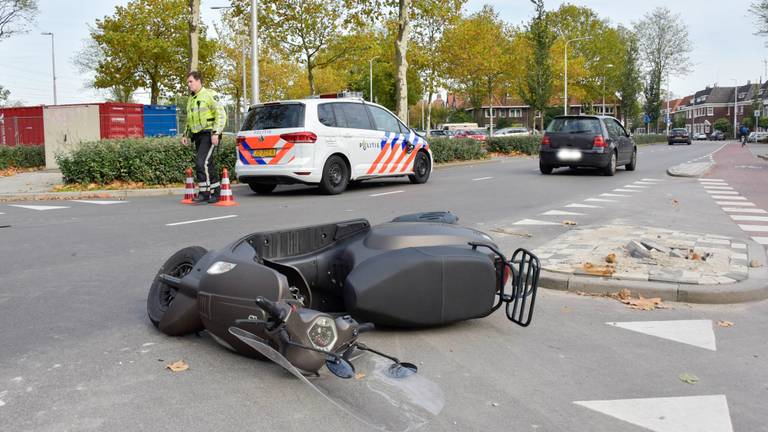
x: 275, y: 116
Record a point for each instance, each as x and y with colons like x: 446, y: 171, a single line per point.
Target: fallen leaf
x: 178, y: 366
x: 625, y: 294
x: 569, y: 222
x: 674, y: 201
x: 642, y: 303
x: 755, y: 263
x: 722, y: 323
x: 611, y: 258
x: 592, y: 269
x: 688, y: 378
x: 359, y: 376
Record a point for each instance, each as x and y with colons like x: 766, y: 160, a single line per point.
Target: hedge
x: 447, y: 150
x: 152, y: 161
x: 527, y: 144
x: 649, y: 138
x: 22, y: 157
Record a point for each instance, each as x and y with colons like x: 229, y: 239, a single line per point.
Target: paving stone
x: 717, y: 241
x: 737, y: 276
x: 738, y: 246
x: 690, y: 277
x: 739, y: 256
x: 665, y: 275
x: 638, y: 250
x: 725, y: 280
x: 708, y: 280
x: 650, y: 244
x: 640, y: 276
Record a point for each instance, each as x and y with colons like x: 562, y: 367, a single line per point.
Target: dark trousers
x: 205, y: 171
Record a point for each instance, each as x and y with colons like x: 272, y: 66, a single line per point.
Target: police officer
x: 206, y: 119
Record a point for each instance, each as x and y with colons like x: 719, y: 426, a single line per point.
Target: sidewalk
x: 30, y: 182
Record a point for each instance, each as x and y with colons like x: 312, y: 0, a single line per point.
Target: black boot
x: 202, y: 198
x: 215, y: 196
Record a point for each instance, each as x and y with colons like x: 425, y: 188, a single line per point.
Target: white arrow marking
x: 386, y: 193
x: 482, y: 178
x: 692, y: 332
x: 669, y: 414
x: 576, y: 205
x: 38, y: 207
x: 200, y: 220
x: 561, y: 213
x: 534, y: 222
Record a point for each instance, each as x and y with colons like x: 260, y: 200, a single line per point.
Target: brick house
x: 704, y: 107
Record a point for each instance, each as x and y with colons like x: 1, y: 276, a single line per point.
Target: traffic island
x: 690, y: 169
x: 655, y: 262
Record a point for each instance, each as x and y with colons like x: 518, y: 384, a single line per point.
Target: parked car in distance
x: 475, y: 134
x: 700, y: 136
x: 758, y: 137
x: 511, y: 131
x: 678, y: 135
x: 717, y: 135
x: 587, y: 141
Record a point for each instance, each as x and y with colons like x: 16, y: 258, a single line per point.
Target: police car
x: 328, y: 142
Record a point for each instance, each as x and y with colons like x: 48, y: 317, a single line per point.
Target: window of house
x: 487, y: 113
x: 502, y: 113
x: 710, y: 111
x: 516, y: 112
x: 741, y: 109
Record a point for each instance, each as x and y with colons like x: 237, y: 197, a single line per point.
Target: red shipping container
x: 22, y: 126
x: 121, y: 120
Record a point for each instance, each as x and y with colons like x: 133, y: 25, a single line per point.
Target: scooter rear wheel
x: 161, y: 295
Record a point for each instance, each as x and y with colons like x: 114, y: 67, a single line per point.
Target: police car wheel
x: 261, y: 188
x: 161, y: 295
x: 421, y: 169
x: 335, y: 176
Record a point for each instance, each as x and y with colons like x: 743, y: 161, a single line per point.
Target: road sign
x: 646, y: 118
x: 757, y: 113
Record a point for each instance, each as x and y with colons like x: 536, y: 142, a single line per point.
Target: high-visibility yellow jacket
x: 205, y: 112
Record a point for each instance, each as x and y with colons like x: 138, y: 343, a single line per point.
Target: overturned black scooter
x: 301, y: 297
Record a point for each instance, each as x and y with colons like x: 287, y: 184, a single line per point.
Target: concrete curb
x: 696, y: 169
x: 753, y: 289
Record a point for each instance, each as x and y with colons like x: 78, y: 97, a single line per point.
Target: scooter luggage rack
x: 525, y: 268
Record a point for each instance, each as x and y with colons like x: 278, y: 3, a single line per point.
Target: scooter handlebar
x: 269, y: 307
x: 365, y: 327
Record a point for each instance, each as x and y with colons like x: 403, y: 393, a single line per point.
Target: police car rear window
x: 276, y: 116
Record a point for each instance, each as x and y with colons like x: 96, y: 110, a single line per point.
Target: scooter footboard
x: 525, y: 283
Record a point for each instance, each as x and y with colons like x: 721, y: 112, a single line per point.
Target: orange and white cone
x: 189, y: 188
x: 226, y: 199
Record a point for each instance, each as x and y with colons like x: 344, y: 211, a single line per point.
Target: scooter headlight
x: 220, y: 267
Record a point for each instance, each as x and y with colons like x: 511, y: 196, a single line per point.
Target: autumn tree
x: 664, y: 47
x: 477, y: 54
x: 431, y: 19
x: 15, y: 15
x: 536, y: 89
x: 629, y: 81
x: 144, y: 44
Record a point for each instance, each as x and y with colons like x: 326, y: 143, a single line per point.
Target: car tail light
x: 545, y: 141
x: 598, y: 141
x: 300, y: 137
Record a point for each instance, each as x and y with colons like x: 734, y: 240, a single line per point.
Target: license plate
x: 265, y: 153
x: 569, y: 155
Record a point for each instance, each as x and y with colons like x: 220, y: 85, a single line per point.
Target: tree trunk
x: 194, y: 33
x: 154, y: 91
x: 311, y: 77
x: 401, y: 50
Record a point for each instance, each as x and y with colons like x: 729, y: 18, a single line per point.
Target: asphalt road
x: 78, y: 353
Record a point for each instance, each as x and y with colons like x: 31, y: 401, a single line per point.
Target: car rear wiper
x: 579, y: 131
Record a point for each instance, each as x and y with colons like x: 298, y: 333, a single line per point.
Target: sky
x: 722, y: 33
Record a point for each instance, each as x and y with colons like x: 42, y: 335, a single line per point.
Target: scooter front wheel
x: 161, y: 295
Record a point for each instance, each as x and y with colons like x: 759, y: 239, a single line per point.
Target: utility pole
x: 608, y: 66
x: 370, y: 79
x: 735, y: 105
x: 53, y: 65
x: 254, y: 52
x: 565, y: 91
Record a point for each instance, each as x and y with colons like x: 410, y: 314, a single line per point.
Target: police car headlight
x: 220, y: 267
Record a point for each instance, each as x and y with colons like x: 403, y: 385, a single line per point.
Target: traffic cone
x: 189, y: 188
x: 226, y: 199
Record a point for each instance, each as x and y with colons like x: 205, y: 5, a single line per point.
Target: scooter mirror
x: 340, y: 367
x: 402, y: 370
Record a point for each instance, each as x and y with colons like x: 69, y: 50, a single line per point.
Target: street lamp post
x: 370, y: 79
x: 735, y: 104
x: 53, y: 65
x: 565, y: 96
x: 254, y: 53
x: 608, y: 66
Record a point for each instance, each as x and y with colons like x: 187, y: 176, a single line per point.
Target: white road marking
x: 636, y: 187
x: 562, y: 213
x: 577, y: 205
x: 718, y: 187
x: 729, y: 197
x: 482, y: 178
x: 613, y: 195
x: 761, y: 240
x: 692, y: 332
x: 653, y: 180
x: 386, y: 193
x: 669, y: 414
x: 99, y: 202
x: 38, y: 207
x: 711, y: 180
x: 626, y: 190
x: 735, y: 203
x: 722, y: 192
x: 644, y: 183
x: 754, y: 228
x: 749, y: 218
x: 744, y: 210
x: 534, y: 222
x: 599, y: 200
x: 200, y: 220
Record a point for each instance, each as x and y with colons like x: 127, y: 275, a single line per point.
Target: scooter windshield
x: 373, y: 396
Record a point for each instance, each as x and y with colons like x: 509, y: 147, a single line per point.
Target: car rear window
x: 277, y: 116
x: 575, y: 125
